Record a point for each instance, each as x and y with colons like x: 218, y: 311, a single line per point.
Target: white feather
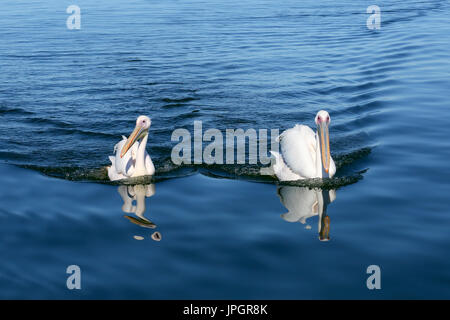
x: 298, y: 148
x: 300, y: 156
x: 125, y: 165
x: 149, y: 164
x: 281, y: 170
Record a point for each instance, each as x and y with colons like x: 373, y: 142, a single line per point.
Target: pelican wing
x: 112, y: 173
x: 281, y: 170
x: 125, y: 165
x: 298, y: 148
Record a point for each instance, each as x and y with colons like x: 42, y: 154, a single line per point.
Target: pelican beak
x: 135, y: 135
x: 324, y: 145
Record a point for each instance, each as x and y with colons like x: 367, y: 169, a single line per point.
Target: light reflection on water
x: 134, y: 202
x: 304, y: 203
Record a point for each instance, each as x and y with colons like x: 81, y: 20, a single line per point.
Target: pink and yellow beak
x: 324, y: 144
x: 134, y: 136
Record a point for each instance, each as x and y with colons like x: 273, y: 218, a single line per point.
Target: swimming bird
x: 305, y: 154
x: 131, y: 158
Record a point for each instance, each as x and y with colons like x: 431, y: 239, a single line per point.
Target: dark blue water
x: 66, y: 97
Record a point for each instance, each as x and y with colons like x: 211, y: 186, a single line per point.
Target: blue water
x: 66, y: 97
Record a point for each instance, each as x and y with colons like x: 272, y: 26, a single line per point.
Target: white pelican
x: 305, y: 154
x: 131, y: 158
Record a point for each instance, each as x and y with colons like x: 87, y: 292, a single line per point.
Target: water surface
x: 66, y: 97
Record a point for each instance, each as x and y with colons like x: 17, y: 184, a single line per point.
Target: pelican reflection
x: 303, y: 203
x: 134, y: 202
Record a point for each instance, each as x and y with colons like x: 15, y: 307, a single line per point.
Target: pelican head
x: 140, y: 131
x: 323, y: 121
